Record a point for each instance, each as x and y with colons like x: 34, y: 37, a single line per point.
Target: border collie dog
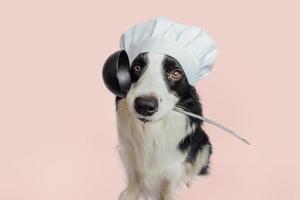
x: 160, y: 148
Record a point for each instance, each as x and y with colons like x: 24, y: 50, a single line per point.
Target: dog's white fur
x: 154, y: 165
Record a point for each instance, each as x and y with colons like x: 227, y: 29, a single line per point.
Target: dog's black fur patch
x: 142, y: 61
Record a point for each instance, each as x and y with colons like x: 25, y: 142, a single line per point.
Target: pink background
x: 57, y: 121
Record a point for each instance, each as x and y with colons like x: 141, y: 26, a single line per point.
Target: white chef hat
x: 191, y: 46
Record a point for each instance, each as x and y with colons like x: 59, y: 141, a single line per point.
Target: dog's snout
x: 146, y: 105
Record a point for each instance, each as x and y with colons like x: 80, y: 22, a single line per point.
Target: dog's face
x: 158, y: 85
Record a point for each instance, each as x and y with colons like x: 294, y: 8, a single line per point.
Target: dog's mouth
x: 144, y: 120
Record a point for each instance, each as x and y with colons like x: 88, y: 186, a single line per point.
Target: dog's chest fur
x: 151, y: 149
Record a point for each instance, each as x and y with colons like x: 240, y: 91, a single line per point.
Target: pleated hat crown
x: 191, y: 46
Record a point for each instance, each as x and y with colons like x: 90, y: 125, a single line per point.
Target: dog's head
x: 158, y: 85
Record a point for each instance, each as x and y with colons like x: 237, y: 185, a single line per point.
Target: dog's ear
x: 116, y: 73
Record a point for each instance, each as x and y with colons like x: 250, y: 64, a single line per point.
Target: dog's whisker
x: 183, y: 110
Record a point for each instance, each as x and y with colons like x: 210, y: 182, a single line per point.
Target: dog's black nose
x: 146, y: 105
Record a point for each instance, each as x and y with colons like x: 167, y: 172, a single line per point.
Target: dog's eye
x: 175, y: 74
x: 137, y: 68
